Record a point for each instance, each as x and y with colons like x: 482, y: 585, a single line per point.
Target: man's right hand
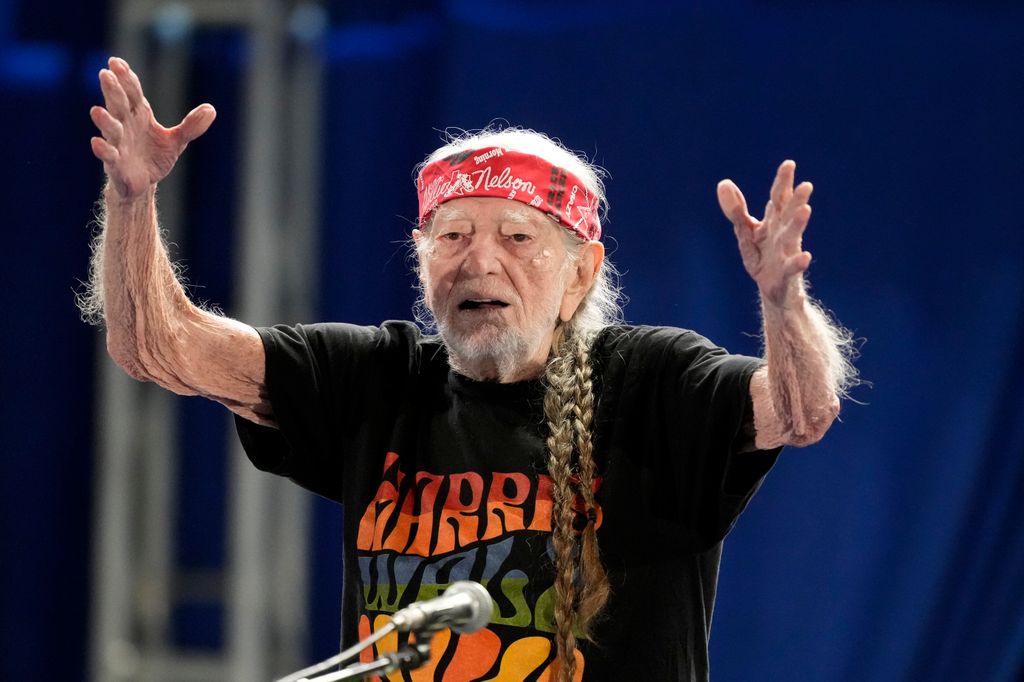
x: 137, y: 152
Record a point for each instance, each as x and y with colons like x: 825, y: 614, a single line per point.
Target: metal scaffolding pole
x: 136, y: 583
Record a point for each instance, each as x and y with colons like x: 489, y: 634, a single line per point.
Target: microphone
x: 464, y: 607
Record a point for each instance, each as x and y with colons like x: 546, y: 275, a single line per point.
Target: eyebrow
x: 518, y: 216
x: 444, y: 213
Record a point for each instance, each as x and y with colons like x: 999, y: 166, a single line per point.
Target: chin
x: 487, y: 352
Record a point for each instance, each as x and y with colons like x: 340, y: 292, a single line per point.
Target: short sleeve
x: 325, y: 387
x: 679, y: 414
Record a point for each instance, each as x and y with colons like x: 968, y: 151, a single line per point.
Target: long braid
x: 569, y: 409
x: 595, y: 589
x: 558, y: 410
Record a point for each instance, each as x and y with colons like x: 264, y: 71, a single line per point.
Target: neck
x: 496, y: 368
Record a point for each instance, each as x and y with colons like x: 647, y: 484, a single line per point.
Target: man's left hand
x: 771, y: 247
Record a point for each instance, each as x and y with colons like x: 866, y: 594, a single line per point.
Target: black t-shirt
x: 444, y: 479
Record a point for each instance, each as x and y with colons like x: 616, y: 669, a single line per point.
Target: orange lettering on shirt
x: 505, y: 501
x: 371, y: 525
x: 459, y: 524
x: 427, y: 485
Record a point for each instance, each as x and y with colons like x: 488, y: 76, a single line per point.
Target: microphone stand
x: 409, y: 656
x: 351, y: 652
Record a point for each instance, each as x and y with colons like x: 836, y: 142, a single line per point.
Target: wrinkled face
x: 495, y: 274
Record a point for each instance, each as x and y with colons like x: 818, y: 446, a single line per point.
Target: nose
x: 482, y: 256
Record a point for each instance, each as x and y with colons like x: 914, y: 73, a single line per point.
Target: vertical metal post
x: 257, y: 285
x: 113, y: 657
x: 301, y: 180
x: 134, y: 572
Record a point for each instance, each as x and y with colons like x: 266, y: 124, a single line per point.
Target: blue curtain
x: 893, y: 550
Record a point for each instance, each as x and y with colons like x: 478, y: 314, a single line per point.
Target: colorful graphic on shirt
x: 424, y: 531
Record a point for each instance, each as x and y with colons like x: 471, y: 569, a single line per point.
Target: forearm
x: 796, y: 395
x: 154, y: 332
x: 138, y: 287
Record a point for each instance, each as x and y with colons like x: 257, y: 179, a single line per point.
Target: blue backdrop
x: 891, y: 551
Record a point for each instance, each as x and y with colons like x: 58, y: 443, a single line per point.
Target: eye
x: 451, y: 236
x: 519, y: 237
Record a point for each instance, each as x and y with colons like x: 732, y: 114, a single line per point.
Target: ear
x: 419, y: 240
x: 417, y: 237
x: 580, y: 281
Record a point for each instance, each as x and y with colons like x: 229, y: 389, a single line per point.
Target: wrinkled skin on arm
x: 796, y: 394
x: 153, y: 331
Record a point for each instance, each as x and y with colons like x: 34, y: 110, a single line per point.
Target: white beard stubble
x: 493, y: 350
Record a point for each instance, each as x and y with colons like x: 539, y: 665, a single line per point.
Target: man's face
x: 495, y: 274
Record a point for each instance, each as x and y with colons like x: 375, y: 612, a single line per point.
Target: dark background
x: 893, y: 550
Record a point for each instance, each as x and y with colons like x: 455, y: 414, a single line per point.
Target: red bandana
x: 498, y: 172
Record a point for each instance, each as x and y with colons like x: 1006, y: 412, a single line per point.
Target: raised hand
x: 137, y: 152
x: 771, y: 247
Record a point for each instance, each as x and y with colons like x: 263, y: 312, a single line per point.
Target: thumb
x: 196, y: 123
x: 732, y: 203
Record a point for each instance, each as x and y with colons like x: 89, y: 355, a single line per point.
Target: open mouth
x: 482, y: 304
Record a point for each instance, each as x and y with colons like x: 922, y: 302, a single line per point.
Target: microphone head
x: 480, y: 606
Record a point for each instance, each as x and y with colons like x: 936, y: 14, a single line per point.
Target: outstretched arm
x: 153, y: 331
x: 796, y: 395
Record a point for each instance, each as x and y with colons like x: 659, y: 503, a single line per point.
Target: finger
x: 195, y: 123
x: 110, y: 127
x: 129, y: 81
x: 796, y: 205
x: 104, y: 151
x: 801, y: 216
x: 733, y: 204
x: 113, y: 94
x: 782, y: 187
x: 803, y: 191
x: 797, y: 263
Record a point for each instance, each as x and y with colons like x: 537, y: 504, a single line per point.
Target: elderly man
x: 585, y: 471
